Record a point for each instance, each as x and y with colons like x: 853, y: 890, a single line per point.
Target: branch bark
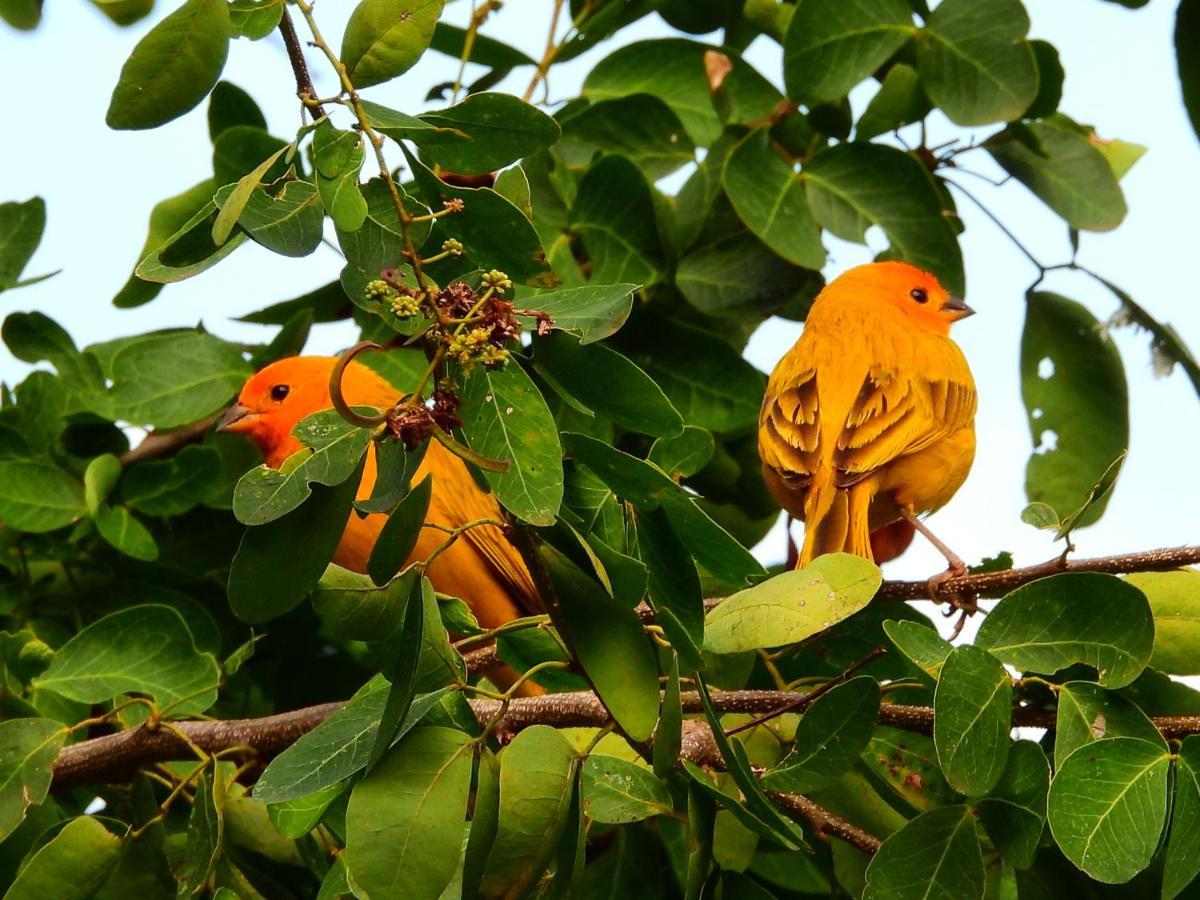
x: 304, y: 86
x: 164, y: 443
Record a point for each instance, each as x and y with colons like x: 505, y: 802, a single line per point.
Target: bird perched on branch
x: 868, y: 421
x: 482, y: 567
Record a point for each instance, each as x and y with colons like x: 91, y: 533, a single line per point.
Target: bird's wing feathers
x: 789, y: 428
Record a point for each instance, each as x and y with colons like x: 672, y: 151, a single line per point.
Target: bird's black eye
x: 279, y: 392
x: 919, y: 295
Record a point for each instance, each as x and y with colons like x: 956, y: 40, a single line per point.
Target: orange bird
x: 481, y: 567
x: 868, y: 420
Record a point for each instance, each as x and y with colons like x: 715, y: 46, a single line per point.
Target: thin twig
x: 304, y: 86
x: 165, y: 443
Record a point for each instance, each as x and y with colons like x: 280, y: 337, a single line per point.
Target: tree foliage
x: 800, y: 735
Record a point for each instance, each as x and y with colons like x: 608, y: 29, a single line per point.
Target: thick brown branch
x: 304, y: 86
x: 825, y: 822
x: 164, y: 443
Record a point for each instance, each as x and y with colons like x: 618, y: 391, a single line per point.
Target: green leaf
x: 614, y: 214
x: 170, y: 378
x: 640, y: 127
x: 738, y: 274
x: 232, y: 203
x: 1073, y: 385
x: 21, y: 227
x: 608, y: 383
x: 28, y: 748
x: 831, y: 736
x: 335, y: 448
x: 396, y: 465
x: 338, y: 157
x: 122, y: 530
x: 166, y: 218
x: 592, y: 312
x: 450, y: 39
x: 378, y: 243
x: 907, y: 763
x: 668, y: 734
x: 36, y: 495
x: 229, y: 105
x: 673, y: 587
x: 935, y: 853
x: 1187, y: 28
x: 483, y: 133
x: 353, y: 607
x: 139, y: 650
x: 920, y: 644
x: 505, y: 417
x: 899, y: 101
x: 1058, y: 161
x: 1014, y: 812
x: 399, y: 534
x: 1088, y: 713
x: 611, y: 646
x: 537, y: 778
x: 404, y: 822
x: 1041, y: 515
x: 494, y: 233
x: 792, y: 606
x: 1075, y: 617
x: 187, y: 252
x: 1174, y: 599
x: 170, y: 487
x: 173, y: 67
x: 485, y: 822
x: 831, y: 46
x: 338, y: 747
x: 972, y: 719
x: 1050, y: 81
x: 385, y: 38
x: 617, y: 792
x: 684, y: 454
x: 288, y: 223
x: 254, y: 19
x: 21, y: 14
x: 854, y: 186
x: 401, y: 667
x: 769, y: 197
x: 1108, y: 804
x: 296, y: 818
x: 278, y: 563
x: 974, y: 60
x: 72, y: 865
x: 1183, y: 841
x: 205, y: 834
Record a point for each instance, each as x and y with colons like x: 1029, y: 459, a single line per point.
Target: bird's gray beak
x: 956, y: 308
x: 234, y: 421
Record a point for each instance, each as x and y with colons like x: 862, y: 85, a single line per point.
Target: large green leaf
x: 185, y: 251
x: 673, y: 586
x: 770, y: 198
x: 831, y: 45
x: 288, y: 223
x: 854, y: 186
x: 173, y: 67
x: 505, y: 417
x: 739, y: 274
x: 1075, y: 617
x: 21, y: 227
x: 937, y: 853
x: 36, y: 495
x: 125, y: 532
x: 899, y: 101
x: 831, y: 736
x: 1073, y: 385
x: 1174, y: 599
x: 792, y: 606
x: 139, y: 650
x: 335, y: 449
x: 591, y: 312
x: 610, y: 643
x: 640, y: 127
x: 385, y: 38
x: 972, y: 719
x: 1014, y: 812
x: 485, y: 822
x: 920, y: 644
x: 338, y: 747
x: 1059, y: 161
x: 278, y: 563
x: 1183, y: 841
x: 1108, y: 804
x: 399, y: 534
x: 1087, y: 712
x: 614, y: 214
x: 171, y: 378
x: 404, y: 822
x: 28, y: 748
x: 170, y: 487
x: 71, y: 865
x: 974, y: 60
x: 537, y: 779
x: 907, y: 763
x: 607, y: 383
x: 617, y: 792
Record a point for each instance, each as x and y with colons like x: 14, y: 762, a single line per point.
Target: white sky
x: 100, y: 186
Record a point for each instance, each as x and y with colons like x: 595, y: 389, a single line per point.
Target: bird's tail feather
x: 837, y: 523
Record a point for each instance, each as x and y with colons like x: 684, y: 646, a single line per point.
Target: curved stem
x: 335, y: 388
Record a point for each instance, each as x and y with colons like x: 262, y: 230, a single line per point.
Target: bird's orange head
x: 274, y: 400
x: 918, y: 295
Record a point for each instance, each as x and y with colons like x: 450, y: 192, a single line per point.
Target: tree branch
x: 164, y: 443
x: 304, y: 86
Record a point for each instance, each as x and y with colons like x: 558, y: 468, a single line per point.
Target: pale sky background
x: 100, y: 185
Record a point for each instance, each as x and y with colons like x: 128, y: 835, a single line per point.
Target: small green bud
x: 452, y: 246
x: 377, y: 290
x: 497, y: 280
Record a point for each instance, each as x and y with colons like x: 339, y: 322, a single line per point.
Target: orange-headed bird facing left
x: 481, y: 567
x: 870, y: 415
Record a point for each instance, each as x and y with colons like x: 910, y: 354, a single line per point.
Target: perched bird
x: 869, y: 419
x: 481, y: 567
